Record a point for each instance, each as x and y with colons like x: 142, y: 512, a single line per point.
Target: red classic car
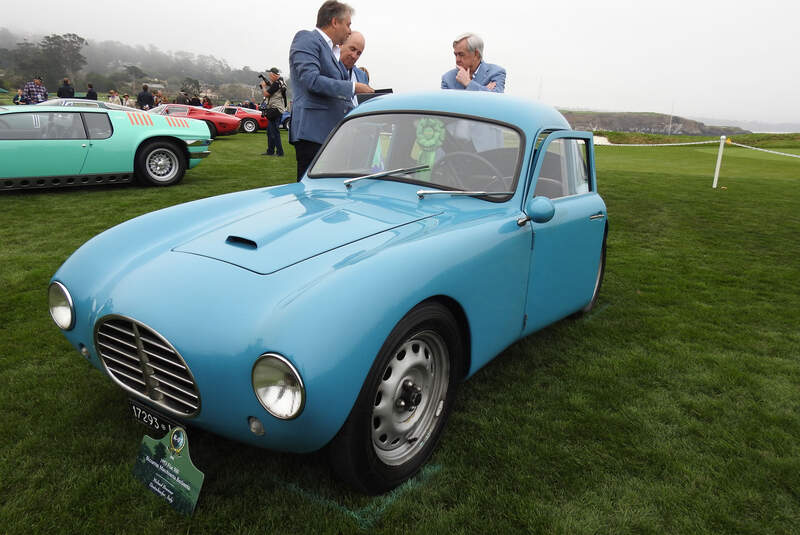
x: 252, y: 120
x: 219, y: 124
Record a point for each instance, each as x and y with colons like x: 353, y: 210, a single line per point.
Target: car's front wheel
x: 212, y: 130
x: 403, y: 405
x: 159, y: 163
x: 249, y: 126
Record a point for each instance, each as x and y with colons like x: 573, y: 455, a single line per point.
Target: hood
x: 308, y: 224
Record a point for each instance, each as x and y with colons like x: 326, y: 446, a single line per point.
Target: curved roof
x: 529, y: 115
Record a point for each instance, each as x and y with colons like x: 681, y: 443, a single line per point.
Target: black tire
x: 601, y: 271
x: 159, y: 163
x: 404, y: 403
x: 249, y: 126
x: 212, y: 130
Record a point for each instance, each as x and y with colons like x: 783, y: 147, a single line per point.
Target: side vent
x: 241, y: 242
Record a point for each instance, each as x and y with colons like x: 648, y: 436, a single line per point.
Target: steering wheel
x: 446, y: 162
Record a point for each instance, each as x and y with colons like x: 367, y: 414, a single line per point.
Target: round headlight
x: 61, y: 308
x: 278, y: 386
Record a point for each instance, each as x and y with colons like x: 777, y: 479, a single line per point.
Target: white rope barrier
x: 722, y: 142
x: 765, y: 150
x: 658, y: 144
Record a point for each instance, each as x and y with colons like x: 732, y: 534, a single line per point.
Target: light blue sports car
x: 431, y: 232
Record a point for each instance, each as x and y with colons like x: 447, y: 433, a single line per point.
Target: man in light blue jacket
x: 471, y: 72
x: 323, y: 91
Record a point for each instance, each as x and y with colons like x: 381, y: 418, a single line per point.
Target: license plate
x: 150, y: 417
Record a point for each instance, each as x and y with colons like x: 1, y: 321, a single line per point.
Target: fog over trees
x: 115, y: 65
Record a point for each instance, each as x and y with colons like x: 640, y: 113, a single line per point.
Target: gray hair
x: 332, y: 9
x: 474, y: 42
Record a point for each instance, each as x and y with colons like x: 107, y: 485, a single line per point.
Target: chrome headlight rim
x: 296, y: 376
x: 64, y: 293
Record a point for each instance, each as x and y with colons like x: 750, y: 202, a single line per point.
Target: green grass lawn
x: 674, y: 407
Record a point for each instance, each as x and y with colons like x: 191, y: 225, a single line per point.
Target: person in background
x: 181, y: 98
x: 351, y: 51
x: 207, y: 103
x: 91, y: 94
x: 145, y: 100
x: 19, y: 98
x: 128, y: 101
x: 35, y: 91
x: 471, y: 72
x: 323, y: 93
x: 195, y: 100
x: 274, y: 106
x: 113, y: 97
x: 66, y: 90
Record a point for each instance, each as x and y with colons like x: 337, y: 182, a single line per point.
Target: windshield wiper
x: 421, y: 193
x: 401, y: 171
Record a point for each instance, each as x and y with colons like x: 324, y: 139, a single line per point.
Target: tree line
x: 114, y: 65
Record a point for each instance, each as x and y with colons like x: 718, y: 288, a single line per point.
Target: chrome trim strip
x: 162, y: 359
x: 123, y: 342
x: 199, y: 155
x: 167, y: 372
x: 134, y: 379
x: 179, y: 400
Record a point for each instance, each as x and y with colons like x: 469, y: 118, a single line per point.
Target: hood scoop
x: 285, y: 234
x: 241, y: 242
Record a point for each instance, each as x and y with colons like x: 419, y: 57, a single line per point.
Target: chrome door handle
x: 598, y: 215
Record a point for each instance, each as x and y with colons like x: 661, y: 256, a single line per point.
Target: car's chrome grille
x: 145, y: 363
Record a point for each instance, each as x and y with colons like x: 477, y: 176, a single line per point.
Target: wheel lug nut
x: 400, y: 404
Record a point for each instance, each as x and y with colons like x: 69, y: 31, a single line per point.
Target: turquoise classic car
x: 342, y: 311
x: 56, y: 146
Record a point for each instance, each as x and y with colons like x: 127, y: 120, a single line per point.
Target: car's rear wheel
x: 404, y: 402
x: 159, y: 163
x: 249, y: 126
x: 212, y: 130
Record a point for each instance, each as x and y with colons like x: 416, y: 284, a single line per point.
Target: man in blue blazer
x: 471, y: 72
x: 323, y: 91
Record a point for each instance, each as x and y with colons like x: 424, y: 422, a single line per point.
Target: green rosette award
x: 430, y: 135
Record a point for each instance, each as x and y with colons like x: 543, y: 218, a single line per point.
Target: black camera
x: 262, y: 77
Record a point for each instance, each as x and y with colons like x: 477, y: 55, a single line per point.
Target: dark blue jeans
x: 274, y: 145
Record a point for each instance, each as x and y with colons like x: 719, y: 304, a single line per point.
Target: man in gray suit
x: 351, y: 51
x: 471, y: 72
x: 323, y: 91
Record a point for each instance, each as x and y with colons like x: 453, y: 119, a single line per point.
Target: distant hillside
x: 645, y: 123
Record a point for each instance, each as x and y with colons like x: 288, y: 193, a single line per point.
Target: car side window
x: 564, y: 170
x: 99, y: 125
x: 177, y: 111
x: 46, y: 125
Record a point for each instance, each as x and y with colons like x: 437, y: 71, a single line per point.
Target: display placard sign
x: 165, y: 468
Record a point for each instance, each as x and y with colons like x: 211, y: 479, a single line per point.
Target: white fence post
x: 719, y: 160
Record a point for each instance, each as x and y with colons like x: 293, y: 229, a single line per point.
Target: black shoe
x: 281, y: 155
x: 267, y: 154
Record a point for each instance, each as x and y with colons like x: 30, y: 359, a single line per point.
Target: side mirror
x: 541, y: 209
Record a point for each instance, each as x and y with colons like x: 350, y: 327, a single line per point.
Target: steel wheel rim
x: 162, y: 164
x: 249, y: 127
x: 416, y: 376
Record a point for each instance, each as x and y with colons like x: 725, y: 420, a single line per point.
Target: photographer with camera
x: 272, y: 107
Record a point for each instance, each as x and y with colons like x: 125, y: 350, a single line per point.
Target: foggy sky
x: 703, y: 58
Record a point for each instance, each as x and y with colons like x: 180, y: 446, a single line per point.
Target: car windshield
x: 462, y: 153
